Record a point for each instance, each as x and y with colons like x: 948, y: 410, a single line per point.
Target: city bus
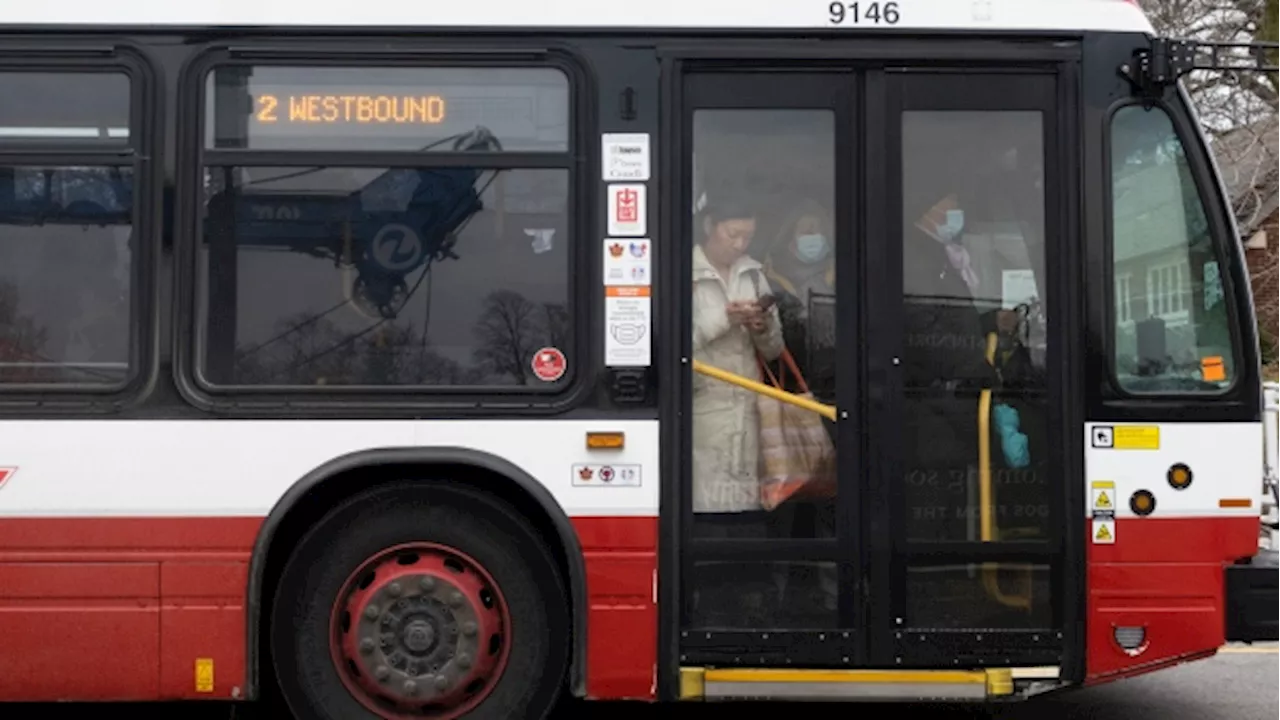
x: 431, y: 360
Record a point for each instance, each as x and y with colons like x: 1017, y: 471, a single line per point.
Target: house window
x: 1124, y: 304
x: 1167, y: 289
x: 1173, y: 334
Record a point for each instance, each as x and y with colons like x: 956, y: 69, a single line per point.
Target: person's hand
x: 758, y: 322
x: 738, y: 311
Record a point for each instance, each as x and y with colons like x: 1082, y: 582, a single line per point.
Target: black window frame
x: 452, y: 400
x: 1219, y: 223
x: 141, y: 153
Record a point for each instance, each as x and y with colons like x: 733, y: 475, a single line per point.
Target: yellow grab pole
x: 826, y: 411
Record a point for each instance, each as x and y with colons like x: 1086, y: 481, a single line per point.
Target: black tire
x: 483, y: 527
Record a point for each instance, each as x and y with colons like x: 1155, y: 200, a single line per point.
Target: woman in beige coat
x: 729, y: 328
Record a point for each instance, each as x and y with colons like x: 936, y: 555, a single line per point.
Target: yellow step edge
x: 694, y: 680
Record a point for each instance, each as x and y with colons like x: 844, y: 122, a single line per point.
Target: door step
x: 845, y: 685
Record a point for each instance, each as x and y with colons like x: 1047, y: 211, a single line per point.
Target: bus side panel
x: 1155, y: 582
x: 144, y: 608
x: 122, y: 608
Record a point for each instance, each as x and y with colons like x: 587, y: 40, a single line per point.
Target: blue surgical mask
x: 811, y: 247
x: 955, y: 223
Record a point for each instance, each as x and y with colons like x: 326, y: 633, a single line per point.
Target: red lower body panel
x: 1166, y: 577
x: 125, y: 608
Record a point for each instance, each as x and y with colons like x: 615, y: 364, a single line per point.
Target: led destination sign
x: 354, y: 109
x: 391, y: 109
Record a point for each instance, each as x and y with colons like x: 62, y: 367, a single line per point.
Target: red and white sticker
x: 549, y: 364
x: 6, y: 473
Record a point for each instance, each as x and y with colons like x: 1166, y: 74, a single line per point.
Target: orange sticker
x: 1212, y: 369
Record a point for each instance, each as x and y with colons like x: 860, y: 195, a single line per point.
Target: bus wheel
x: 424, y: 603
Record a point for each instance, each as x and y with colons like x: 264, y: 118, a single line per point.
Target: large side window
x: 385, y: 227
x: 1170, y: 326
x: 67, y: 240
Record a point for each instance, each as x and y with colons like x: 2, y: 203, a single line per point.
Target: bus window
x: 64, y: 107
x: 1170, y: 326
x: 66, y: 229
x: 410, y: 274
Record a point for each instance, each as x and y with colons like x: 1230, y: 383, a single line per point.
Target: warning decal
x: 204, y: 675
x: 1104, y: 532
x: 1104, y: 493
x: 1125, y: 437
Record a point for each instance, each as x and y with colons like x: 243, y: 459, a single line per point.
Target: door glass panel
x: 979, y: 595
x: 764, y: 193
x: 974, y: 313
x: 744, y: 595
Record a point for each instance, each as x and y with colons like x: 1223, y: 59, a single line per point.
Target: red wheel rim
x: 420, y: 631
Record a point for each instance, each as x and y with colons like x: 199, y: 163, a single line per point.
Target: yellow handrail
x: 990, y: 579
x: 826, y: 411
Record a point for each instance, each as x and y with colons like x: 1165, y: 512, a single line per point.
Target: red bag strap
x: 788, y: 362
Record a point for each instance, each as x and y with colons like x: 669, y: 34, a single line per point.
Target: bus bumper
x: 1252, y: 599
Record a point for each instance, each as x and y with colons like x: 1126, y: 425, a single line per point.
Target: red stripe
x: 121, y: 608
x: 1164, y: 575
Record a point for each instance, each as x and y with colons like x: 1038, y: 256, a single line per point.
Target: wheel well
x: 309, y: 506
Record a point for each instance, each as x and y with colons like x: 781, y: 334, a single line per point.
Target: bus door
x: 875, y: 243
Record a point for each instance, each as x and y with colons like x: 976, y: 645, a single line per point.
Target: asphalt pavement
x: 1240, y: 683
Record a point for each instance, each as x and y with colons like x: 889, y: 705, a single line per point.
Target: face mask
x: 955, y: 223
x: 811, y: 247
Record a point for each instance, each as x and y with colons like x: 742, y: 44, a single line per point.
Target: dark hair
x: 733, y: 207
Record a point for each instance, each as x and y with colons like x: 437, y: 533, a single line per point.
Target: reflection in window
x: 376, y: 276
x: 973, y: 273
x: 65, y: 265
x: 1171, y: 331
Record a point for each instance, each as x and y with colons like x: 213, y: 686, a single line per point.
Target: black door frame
x: 682, y: 57
x: 974, y: 87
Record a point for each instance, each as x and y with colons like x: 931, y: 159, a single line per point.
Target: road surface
x: 1241, y: 683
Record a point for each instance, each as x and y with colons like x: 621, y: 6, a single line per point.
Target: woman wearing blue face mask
x: 801, y: 267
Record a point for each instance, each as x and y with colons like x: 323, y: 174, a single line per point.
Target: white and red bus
x: 378, y: 356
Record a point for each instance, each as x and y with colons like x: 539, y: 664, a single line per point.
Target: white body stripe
x: 976, y: 15
x: 1225, y: 461
x: 243, y: 467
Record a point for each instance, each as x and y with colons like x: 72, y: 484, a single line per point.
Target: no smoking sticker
x: 549, y: 364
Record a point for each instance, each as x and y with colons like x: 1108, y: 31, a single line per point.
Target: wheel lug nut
x: 382, y: 672
x: 410, y: 687
x: 468, y: 628
x: 455, y: 599
x: 464, y: 661
x: 441, y: 682
x: 367, y: 645
x: 428, y: 583
x: 371, y: 612
x: 394, y: 589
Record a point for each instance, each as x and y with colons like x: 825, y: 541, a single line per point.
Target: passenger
x: 730, y: 327
x: 802, y: 265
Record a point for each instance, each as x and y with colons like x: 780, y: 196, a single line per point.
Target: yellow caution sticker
x: 1137, y: 437
x: 1104, y: 532
x: 1104, y: 493
x: 204, y: 675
